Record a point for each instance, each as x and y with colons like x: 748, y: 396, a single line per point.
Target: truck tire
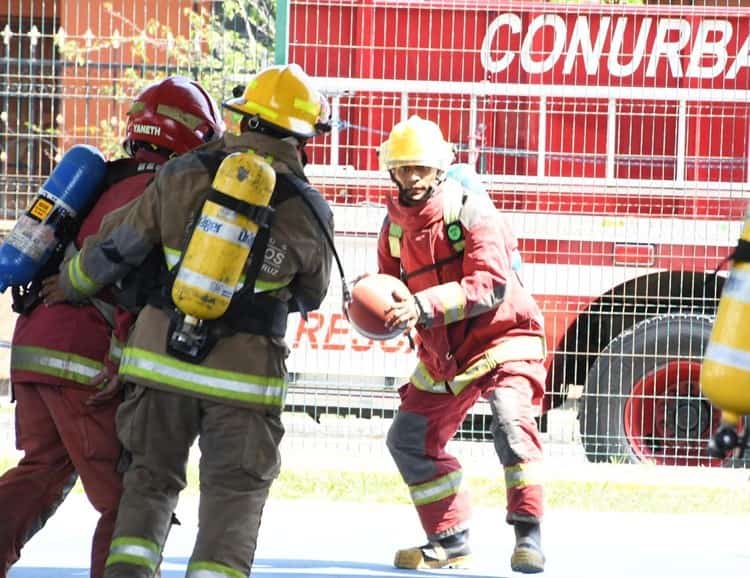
x: 642, y: 400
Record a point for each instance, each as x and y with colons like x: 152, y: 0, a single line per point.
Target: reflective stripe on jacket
x: 203, y: 381
x: 522, y: 348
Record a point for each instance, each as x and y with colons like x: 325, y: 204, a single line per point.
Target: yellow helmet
x: 418, y: 142
x: 283, y: 97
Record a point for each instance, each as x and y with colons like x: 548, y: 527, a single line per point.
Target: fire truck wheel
x: 642, y: 401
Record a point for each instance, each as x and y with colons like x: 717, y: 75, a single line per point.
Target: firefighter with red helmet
x: 241, y: 237
x: 63, y: 426
x: 480, y: 335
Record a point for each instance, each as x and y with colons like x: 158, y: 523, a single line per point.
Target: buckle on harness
x: 189, y: 338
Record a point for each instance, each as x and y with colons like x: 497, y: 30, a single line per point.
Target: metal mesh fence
x: 614, y: 137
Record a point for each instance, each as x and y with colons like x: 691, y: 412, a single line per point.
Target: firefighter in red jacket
x: 63, y: 427
x: 480, y: 335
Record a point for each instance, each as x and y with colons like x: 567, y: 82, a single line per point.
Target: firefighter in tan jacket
x: 226, y: 386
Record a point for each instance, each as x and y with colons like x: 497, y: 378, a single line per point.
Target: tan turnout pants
x: 239, y: 459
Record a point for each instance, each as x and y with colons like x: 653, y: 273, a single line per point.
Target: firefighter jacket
x: 472, y: 304
x: 242, y: 369
x: 66, y: 344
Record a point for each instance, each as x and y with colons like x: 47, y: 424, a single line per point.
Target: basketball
x: 372, y: 296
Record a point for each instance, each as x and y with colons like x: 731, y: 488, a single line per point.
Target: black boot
x: 450, y: 552
x: 527, y: 555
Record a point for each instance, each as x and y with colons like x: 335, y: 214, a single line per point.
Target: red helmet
x: 176, y: 114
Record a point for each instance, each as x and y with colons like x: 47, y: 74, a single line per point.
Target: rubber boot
x: 527, y: 555
x: 450, y: 552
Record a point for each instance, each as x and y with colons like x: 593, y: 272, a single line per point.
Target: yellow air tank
x: 725, y: 373
x: 222, y: 239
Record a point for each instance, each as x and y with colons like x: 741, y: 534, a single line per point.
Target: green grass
x: 583, y: 496
x: 559, y: 494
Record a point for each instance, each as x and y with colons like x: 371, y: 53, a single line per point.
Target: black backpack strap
x: 261, y: 215
x: 149, y: 283
x: 321, y: 212
x: 288, y: 186
x: 246, y: 294
x: 436, y: 265
x: 257, y: 314
x: 211, y: 159
x: 122, y: 169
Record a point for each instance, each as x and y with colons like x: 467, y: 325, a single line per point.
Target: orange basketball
x: 372, y: 296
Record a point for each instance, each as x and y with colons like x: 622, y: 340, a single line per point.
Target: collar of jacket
x: 413, y: 218
x: 284, y: 154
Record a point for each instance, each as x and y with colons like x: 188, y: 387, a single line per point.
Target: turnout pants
x: 426, y: 422
x: 239, y: 459
x: 59, y: 435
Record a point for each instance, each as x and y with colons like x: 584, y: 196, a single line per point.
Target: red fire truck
x: 616, y: 140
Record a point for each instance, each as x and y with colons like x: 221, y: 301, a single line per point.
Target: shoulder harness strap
x: 122, y: 169
x: 321, y: 213
x: 211, y: 160
x: 454, y: 230
x: 395, y: 232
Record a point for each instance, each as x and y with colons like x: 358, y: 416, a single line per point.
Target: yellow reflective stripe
x: 171, y: 256
x: 137, y: 106
x: 78, y: 278
x: 212, y: 570
x: 421, y: 379
x: 395, y: 246
x: 115, y: 349
x: 136, y: 551
x: 256, y: 389
x: 522, y: 475
x: 307, y: 106
x: 452, y: 301
x: 474, y: 371
x: 521, y: 348
x: 395, y: 232
x: 436, y: 490
x: 269, y: 285
x: 189, y: 120
x: 251, y: 107
x: 55, y: 363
